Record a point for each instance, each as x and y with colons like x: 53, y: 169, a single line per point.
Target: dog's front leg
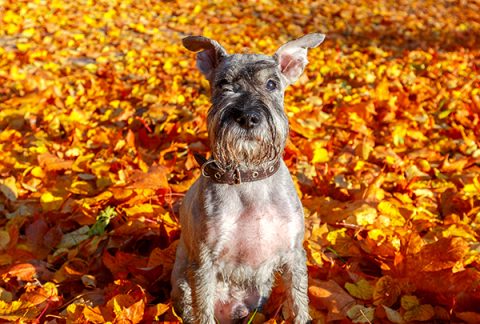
x: 295, y: 277
x: 202, y: 277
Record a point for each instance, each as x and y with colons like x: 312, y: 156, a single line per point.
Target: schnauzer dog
x: 242, y: 221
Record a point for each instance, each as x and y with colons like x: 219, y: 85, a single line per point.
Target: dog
x: 242, y: 221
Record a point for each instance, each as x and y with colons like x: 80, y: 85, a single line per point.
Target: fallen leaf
x: 329, y: 295
x: 361, y: 314
x: 50, y: 202
x: 74, y: 238
x: 9, y: 188
x: 393, y: 315
x: 22, y: 271
x: 386, y: 291
x: 361, y: 289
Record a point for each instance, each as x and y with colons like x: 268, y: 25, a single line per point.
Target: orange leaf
x: 50, y: 162
x: 440, y: 255
x: 328, y: 294
x: 155, y: 178
x: 23, y: 271
x: 126, y: 309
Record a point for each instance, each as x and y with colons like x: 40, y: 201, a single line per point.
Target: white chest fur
x: 257, y: 235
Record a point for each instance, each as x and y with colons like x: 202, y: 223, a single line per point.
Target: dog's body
x: 237, y: 235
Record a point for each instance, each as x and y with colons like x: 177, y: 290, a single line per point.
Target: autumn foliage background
x: 101, y: 110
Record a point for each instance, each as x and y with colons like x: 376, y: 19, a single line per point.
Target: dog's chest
x: 256, y: 234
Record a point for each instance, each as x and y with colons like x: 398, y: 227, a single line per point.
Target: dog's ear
x: 210, y: 56
x: 292, y: 56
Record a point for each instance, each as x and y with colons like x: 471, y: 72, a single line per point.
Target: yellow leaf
x: 81, y: 163
x: 8, y: 310
x: 376, y: 234
x: 180, y: 99
x: 456, y: 230
x: 50, y: 289
x: 71, y: 308
x: 150, y: 98
x: 168, y: 66
x: 365, y: 215
x: 167, y: 219
x: 320, y: 154
x: 197, y: 9
x: 361, y: 289
x: 92, y: 68
x: 23, y: 47
x: 50, y: 202
x: 138, y: 210
x: 89, y: 20
x: 382, y: 90
x: 78, y: 37
x: 391, y: 211
x: 70, y: 100
x: 81, y: 188
x: 37, y: 172
x: 29, y: 32
x: 159, y: 309
x: 334, y: 235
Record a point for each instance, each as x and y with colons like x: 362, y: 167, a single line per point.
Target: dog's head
x: 247, y: 124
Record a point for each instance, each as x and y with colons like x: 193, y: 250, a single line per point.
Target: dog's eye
x: 222, y: 83
x: 271, y: 85
x: 225, y: 86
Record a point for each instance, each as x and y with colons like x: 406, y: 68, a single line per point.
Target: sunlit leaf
x: 51, y: 202
x: 22, y: 271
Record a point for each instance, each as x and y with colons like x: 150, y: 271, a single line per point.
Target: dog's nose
x: 248, y: 119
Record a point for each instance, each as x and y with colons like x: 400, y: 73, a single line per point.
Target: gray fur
x: 236, y: 238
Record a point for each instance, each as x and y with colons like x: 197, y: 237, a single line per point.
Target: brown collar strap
x: 233, y: 176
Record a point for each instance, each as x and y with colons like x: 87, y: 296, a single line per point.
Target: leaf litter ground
x: 101, y: 109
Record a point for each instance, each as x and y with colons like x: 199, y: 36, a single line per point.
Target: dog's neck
x: 234, y: 175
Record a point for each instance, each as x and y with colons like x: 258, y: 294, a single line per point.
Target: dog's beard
x: 234, y: 146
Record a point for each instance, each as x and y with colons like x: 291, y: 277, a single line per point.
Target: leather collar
x: 233, y: 175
